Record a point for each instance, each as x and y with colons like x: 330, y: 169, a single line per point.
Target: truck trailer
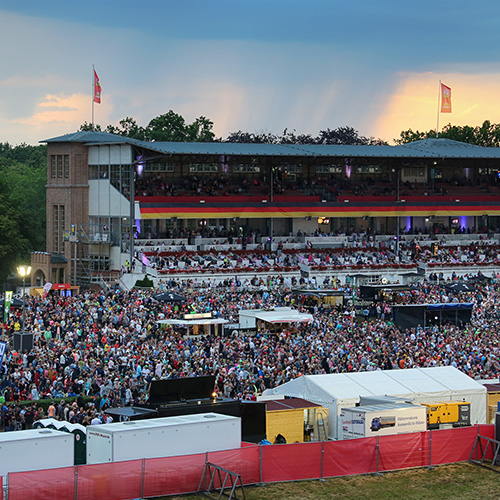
x: 162, y: 437
x: 35, y: 449
x: 382, y: 420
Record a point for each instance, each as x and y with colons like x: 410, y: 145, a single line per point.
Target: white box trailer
x: 162, y: 437
x: 35, y: 449
x: 382, y: 420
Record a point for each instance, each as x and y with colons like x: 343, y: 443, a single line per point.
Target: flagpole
x: 93, y: 94
x: 439, y: 98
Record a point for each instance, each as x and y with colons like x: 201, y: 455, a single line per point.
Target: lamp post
x: 24, y: 271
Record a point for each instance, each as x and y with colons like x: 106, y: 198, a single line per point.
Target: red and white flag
x: 97, y: 89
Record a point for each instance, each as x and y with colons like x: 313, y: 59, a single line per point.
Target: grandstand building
x: 104, y: 189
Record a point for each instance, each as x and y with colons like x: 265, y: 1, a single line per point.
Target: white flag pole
x: 439, y: 102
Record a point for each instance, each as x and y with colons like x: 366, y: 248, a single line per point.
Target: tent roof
x: 284, y: 317
x: 341, y: 386
x: 187, y: 322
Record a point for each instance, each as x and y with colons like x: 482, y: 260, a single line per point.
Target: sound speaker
x: 23, y: 341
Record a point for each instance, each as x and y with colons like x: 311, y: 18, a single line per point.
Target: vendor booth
x: 197, y: 324
x: 272, y: 319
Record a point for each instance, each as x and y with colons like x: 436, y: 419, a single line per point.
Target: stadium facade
x: 101, y: 188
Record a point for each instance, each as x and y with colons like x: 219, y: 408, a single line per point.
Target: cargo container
x: 382, y: 420
x: 448, y: 414
x: 162, y: 437
x: 35, y: 449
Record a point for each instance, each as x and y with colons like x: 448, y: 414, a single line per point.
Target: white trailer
x: 382, y: 420
x: 162, y: 437
x: 35, y: 449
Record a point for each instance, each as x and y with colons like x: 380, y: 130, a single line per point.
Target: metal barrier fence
x: 255, y: 463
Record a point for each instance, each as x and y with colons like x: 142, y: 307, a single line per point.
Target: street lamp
x: 24, y: 271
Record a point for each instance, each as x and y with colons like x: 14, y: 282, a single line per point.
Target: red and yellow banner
x: 445, y: 99
x: 331, y: 210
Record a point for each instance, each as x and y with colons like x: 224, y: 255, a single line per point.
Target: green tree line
x: 23, y: 175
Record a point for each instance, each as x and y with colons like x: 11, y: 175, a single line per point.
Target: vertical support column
x: 322, y: 462
x: 430, y: 466
x: 377, y: 453
x: 75, y: 484
x: 260, y: 464
x: 143, y: 476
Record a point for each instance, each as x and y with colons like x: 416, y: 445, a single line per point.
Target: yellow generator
x: 447, y: 414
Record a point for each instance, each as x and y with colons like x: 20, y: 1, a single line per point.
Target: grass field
x: 458, y: 482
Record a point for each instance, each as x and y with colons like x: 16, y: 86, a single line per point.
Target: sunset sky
x: 252, y: 65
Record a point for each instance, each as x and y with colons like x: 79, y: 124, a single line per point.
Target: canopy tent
x: 284, y: 317
x: 419, y: 385
x: 248, y: 317
x: 195, y: 325
x: 169, y: 297
x: 459, y: 286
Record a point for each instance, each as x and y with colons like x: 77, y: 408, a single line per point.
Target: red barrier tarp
x: 403, y: 450
x: 173, y: 475
x: 452, y: 445
x: 353, y: 456
x: 290, y: 462
x: 42, y: 484
x: 112, y: 481
x: 243, y: 461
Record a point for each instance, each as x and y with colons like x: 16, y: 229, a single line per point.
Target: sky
x: 250, y: 65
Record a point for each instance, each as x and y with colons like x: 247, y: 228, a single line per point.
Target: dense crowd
x: 110, y: 345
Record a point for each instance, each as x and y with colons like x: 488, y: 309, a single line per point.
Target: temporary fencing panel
x: 452, y: 445
x: 243, y: 461
x: 42, y: 484
x: 291, y: 462
x: 401, y: 451
x: 353, y: 456
x: 173, y: 475
x: 112, y: 481
x: 287, y: 462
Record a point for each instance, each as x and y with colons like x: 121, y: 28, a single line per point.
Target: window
x: 59, y: 218
x: 53, y: 162
x: 203, y: 167
x: 59, y: 166
x: 292, y: 169
x: 246, y: 168
x: 369, y: 169
x: 159, y: 167
x: 328, y: 169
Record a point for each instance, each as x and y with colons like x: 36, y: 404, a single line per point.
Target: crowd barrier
x: 256, y: 464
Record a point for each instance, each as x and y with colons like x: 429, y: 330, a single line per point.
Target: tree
x: 488, y: 134
x: 341, y: 135
x: 252, y: 138
x: 128, y: 128
x: 169, y: 127
x: 23, y: 175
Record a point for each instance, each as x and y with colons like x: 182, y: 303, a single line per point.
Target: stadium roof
x: 427, y: 148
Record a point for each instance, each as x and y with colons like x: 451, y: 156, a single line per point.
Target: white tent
x: 248, y: 317
x: 420, y: 385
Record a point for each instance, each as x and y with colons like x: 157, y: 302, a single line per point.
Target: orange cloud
x: 414, y: 104
x: 67, y: 112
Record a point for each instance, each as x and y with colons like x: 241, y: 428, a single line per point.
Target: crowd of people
x: 109, y: 345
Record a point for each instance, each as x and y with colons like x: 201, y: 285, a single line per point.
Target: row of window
x: 59, y: 166
x: 119, y: 174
